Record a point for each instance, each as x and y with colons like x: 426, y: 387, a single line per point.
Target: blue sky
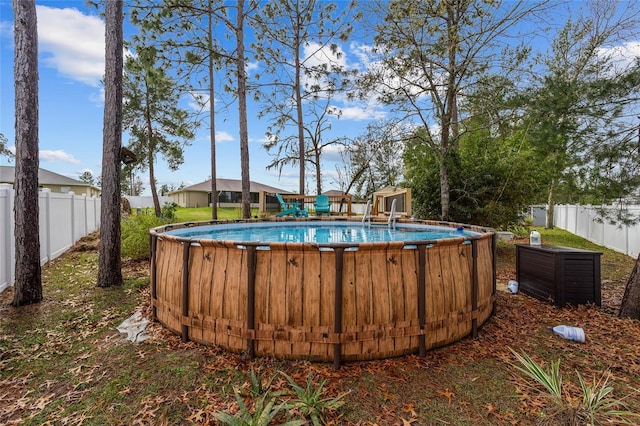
x: 71, y: 65
x: 71, y: 55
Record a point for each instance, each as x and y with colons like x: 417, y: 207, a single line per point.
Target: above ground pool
x: 326, y: 290
x: 321, y: 232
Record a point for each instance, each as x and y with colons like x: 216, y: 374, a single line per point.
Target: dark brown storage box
x: 560, y: 275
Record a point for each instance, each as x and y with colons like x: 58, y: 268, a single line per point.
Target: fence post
x: 86, y: 215
x: 6, y: 272
x: 73, y: 216
x: 47, y: 222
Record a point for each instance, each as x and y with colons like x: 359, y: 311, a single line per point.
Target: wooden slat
x: 209, y: 255
x: 278, y: 297
x: 196, y: 266
x: 350, y: 280
x: 327, y: 294
x: 435, y: 293
x: 364, y: 299
x: 263, y: 301
x: 296, y: 282
x: 219, y: 296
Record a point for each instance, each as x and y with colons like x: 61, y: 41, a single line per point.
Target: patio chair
x: 290, y: 209
x: 322, y: 205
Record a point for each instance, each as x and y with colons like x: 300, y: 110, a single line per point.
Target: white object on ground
x: 512, y: 286
x: 135, y: 327
x: 575, y: 334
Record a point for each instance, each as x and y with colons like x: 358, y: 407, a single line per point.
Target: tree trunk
x: 630, y: 307
x: 151, y: 151
x: 551, y: 203
x: 212, y: 119
x: 299, y: 114
x: 109, y: 263
x: 28, y: 279
x: 242, y: 114
x: 318, y: 176
x: 153, y: 187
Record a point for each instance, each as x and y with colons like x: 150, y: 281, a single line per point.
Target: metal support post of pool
x: 422, y: 276
x: 186, y: 245
x: 152, y: 278
x: 251, y: 298
x: 474, y: 288
x: 337, y: 318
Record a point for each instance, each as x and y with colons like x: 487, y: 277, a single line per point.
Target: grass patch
x: 201, y: 214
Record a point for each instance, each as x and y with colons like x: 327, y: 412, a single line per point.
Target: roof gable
x: 45, y: 177
x: 233, y: 185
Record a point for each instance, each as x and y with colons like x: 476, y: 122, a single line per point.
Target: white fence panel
x: 146, y: 201
x: 59, y: 217
x: 585, y: 222
x: 64, y: 219
x: 7, y: 253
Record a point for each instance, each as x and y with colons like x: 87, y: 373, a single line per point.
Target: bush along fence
x: 64, y: 219
x: 588, y: 222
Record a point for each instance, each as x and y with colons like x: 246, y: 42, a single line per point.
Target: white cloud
x: 223, y: 136
x: 332, y: 153
x: 72, y: 43
x: 622, y: 56
x: 98, y: 97
x: 359, y: 114
x: 265, y: 139
x: 317, y: 54
x: 199, y: 101
x: 57, y: 156
x: 363, y: 52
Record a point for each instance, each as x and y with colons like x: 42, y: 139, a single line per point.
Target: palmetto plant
x: 310, y: 402
x: 597, y: 405
x: 264, y: 413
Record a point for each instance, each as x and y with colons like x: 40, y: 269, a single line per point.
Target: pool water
x: 321, y: 233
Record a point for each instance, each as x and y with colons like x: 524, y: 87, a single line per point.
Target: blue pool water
x: 322, y: 233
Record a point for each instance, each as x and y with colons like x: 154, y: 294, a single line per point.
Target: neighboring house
x: 54, y: 182
x: 335, y: 193
x: 229, y: 194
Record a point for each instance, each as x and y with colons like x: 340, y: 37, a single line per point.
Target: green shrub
x: 135, y: 235
x: 169, y: 212
x: 594, y: 406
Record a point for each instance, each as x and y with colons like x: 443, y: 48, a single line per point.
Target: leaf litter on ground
x: 64, y: 362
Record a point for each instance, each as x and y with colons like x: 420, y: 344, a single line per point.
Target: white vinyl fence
x: 146, y: 201
x: 64, y: 219
x: 585, y: 221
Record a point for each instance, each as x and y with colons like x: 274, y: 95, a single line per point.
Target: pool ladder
x: 391, y: 222
x: 366, y: 219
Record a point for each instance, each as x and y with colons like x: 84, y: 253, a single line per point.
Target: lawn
x: 63, y: 361
x: 200, y: 214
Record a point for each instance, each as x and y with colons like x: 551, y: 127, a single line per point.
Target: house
x: 54, y: 182
x: 229, y: 194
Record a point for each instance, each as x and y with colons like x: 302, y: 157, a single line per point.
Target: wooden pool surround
x: 323, y: 302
